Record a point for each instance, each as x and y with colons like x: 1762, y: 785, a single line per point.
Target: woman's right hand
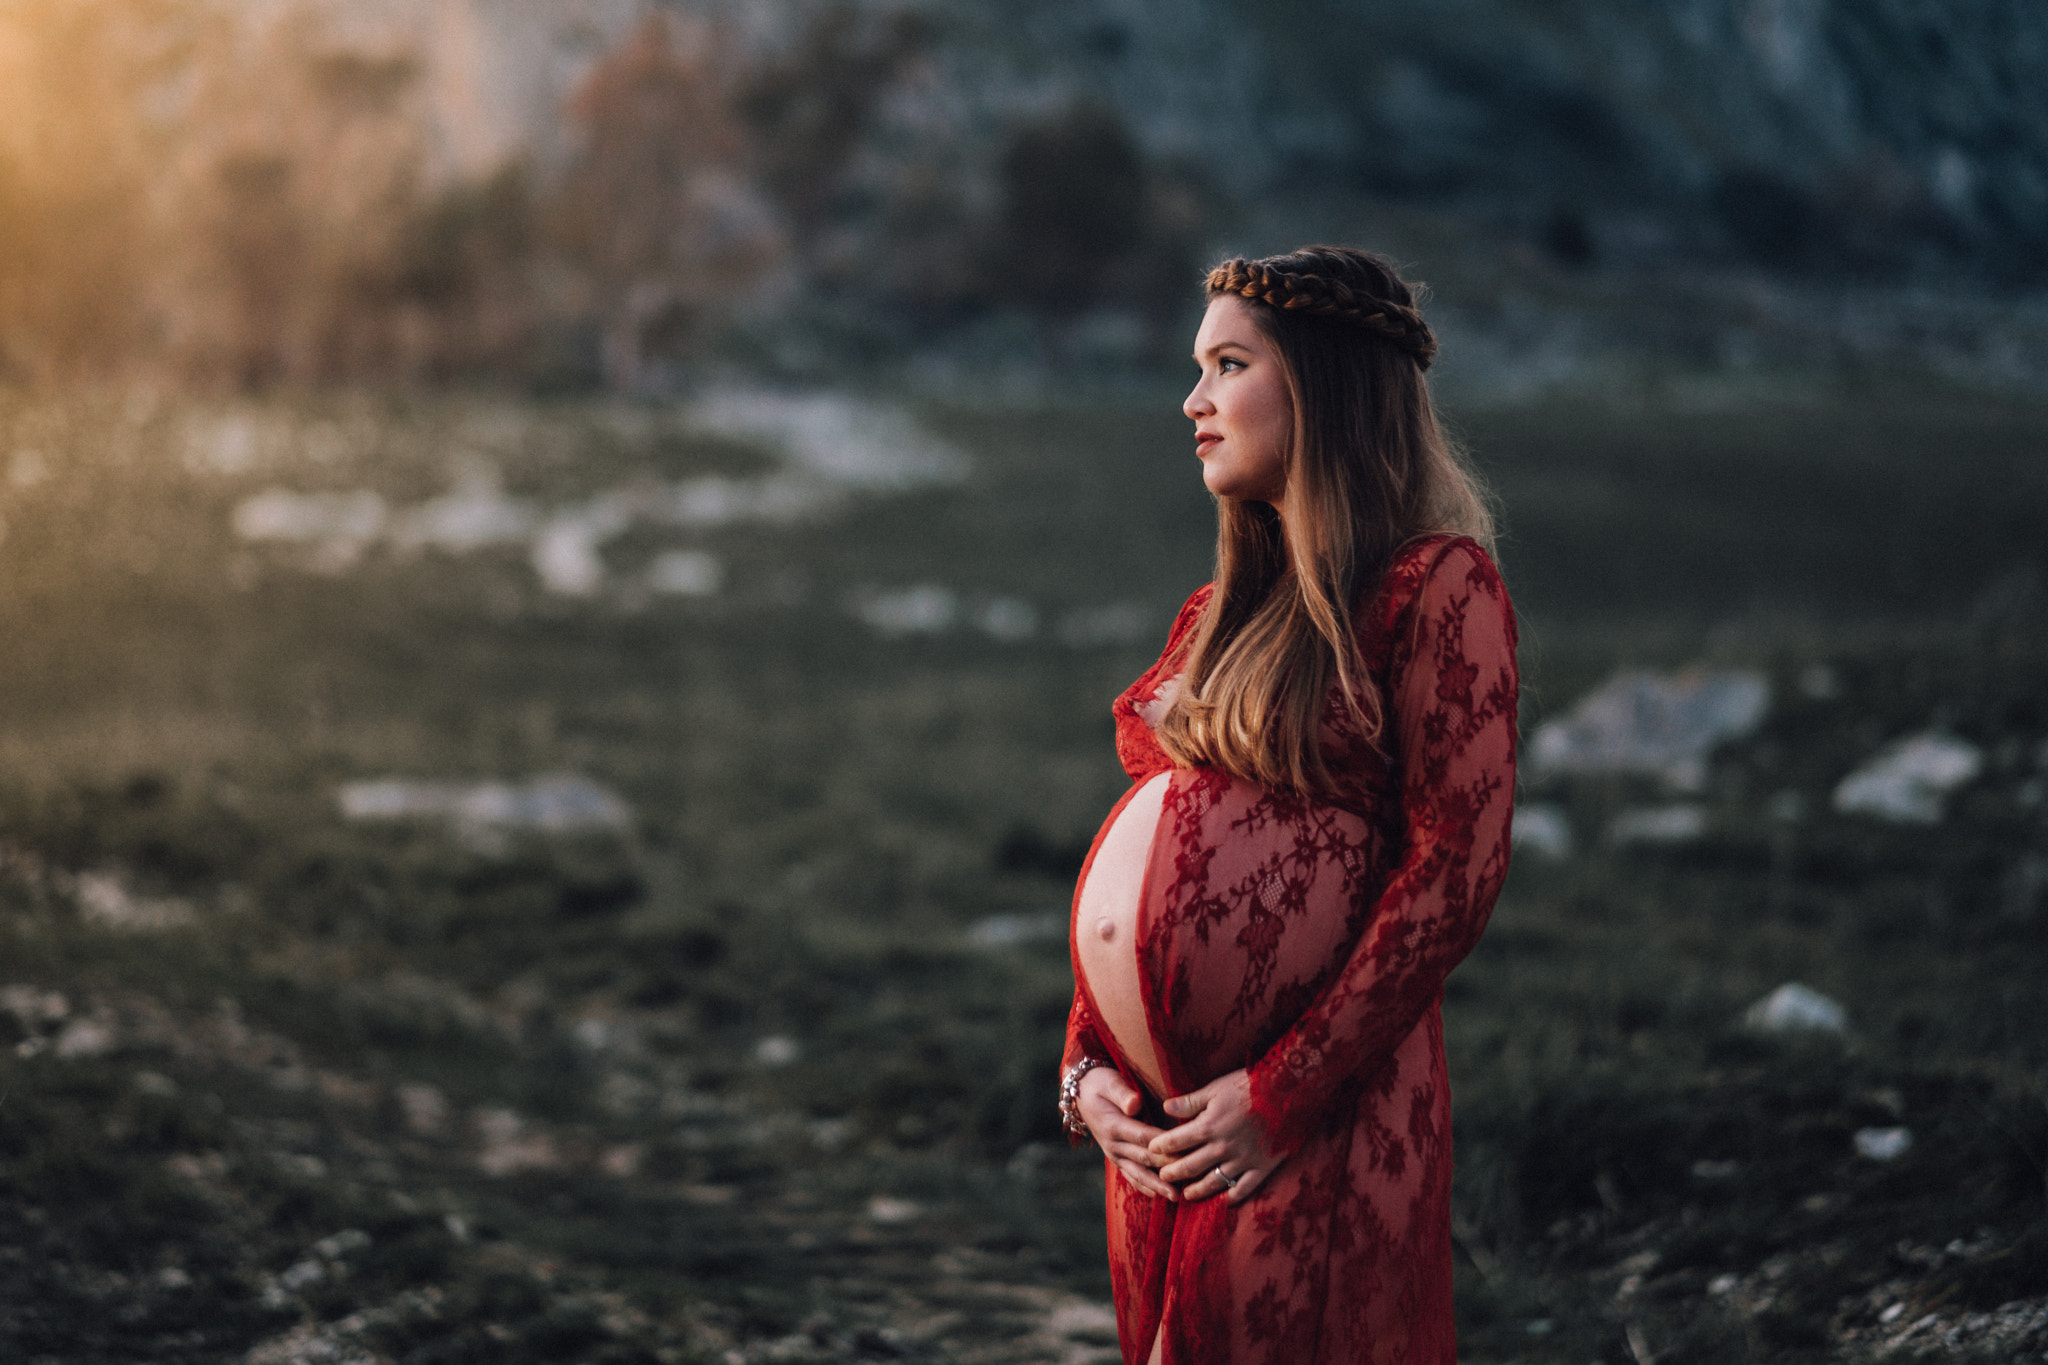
x: 1109, y: 1105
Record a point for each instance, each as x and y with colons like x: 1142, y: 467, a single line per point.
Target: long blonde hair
x: 1368, y: 469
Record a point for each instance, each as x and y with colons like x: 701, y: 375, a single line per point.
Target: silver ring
x: 1228, y: 1183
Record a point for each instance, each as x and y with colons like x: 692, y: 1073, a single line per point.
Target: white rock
x: 777, y: 1050
x: 343, y: 1244
x: 302, y: 1275
x: 834, y: 439
x: 1007, y: 619
x: 1883, y: 1144
x: 83, y: 1038
x: 1003, y: 931
x: 1906, y: 780
x: 105, y: 902
x: 886, y: 1209
x: 425, y: 1107
x: 561, y: 803
x: 32, y: 1005
x: 715, y: 500
x: 1793, y: 1008
x: 474, y: 514
x: 565, y: 553
x: 686, y: 573
x: 337, y: 526
x: 927, y: 609
x: 1653, y: 724
x: 1658, y: 825
x: 1544, y: 830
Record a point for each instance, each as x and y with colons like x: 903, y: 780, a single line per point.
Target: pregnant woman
x: 1323, y: 766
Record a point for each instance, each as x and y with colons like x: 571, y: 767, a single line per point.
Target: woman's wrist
x: 1070, y: 1097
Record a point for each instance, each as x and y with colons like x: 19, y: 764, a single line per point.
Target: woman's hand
x: 1109, y: 1105
x: 1220, y: 1133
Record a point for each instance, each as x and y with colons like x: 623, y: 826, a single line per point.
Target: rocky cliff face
x: 1864, y: 135
x: 1869, y: 135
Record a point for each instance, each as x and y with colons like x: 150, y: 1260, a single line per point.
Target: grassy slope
x: 822, y: 813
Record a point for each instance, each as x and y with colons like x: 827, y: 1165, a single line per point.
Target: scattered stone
x: 1793, y: 1008
x: 1543, y: 830
x: 1007, y: 619
x: 927, y: 609
x: 1883, y: 1144
x: 425, y: 1108
x: 83, y: 1038
x: 1906, y: 781
x: 155, y: 1084
x: 777, y: 1050
x: 685, y: 573
x: 105, y: 903
x: 342, y: 1245
x: 33, y: 1007
x: 1653, y: 724
x: 508, y: 1148
x: 562, y: 803
x: 336, y: 527
x: 1658, y: 825
x: 887, y: 1209
x: 623, y: 1162
x: 1007, y: 931
x: 474, y: 514
x: 836, y: 440
x: 302, y: 1275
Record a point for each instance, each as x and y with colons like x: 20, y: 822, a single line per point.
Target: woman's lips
x: 1203, y: 440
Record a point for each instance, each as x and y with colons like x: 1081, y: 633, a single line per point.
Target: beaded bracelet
x: 1070, y: 1096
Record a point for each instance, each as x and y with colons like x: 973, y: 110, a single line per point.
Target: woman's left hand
x: 1219, y: 1132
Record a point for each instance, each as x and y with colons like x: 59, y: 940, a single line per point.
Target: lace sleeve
x: 1451, y: 695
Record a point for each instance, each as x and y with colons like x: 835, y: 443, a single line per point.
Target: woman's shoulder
x: 1441, y: 562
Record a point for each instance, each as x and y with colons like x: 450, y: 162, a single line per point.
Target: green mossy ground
x: 533, y: 1074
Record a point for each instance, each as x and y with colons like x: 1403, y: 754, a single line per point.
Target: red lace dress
x: 1308, y: 940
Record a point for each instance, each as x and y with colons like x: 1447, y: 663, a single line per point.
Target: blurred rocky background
x: 562, y: 567
x: 609, y: 192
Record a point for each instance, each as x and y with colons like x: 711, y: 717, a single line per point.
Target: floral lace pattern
x: 1307, y: 939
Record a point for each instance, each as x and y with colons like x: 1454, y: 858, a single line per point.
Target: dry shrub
x: 243, y: 196
x: 74, y: 178
x: 656, y: 208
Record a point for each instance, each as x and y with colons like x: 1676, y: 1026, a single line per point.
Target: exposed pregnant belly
x: 1106, y: 926
x: 1254, y: 899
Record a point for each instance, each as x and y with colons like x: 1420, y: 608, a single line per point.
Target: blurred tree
x: 75, y: 214
x: 466, y: 264
x: 1074, y: 203
x: 811, y: 109
x: 653, y: 208
x: 1087, y: 223
x: 303, y: 163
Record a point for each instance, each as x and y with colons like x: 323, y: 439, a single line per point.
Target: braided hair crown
x: 1335, y: 282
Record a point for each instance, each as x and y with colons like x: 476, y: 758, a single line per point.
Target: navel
x: 1105, y: 928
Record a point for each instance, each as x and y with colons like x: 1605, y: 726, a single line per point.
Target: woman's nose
x: 1195, y: 405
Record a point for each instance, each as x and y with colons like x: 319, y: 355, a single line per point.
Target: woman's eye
x: 1229, y: 363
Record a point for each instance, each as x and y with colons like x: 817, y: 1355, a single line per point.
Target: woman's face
x: 1243, y: 414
